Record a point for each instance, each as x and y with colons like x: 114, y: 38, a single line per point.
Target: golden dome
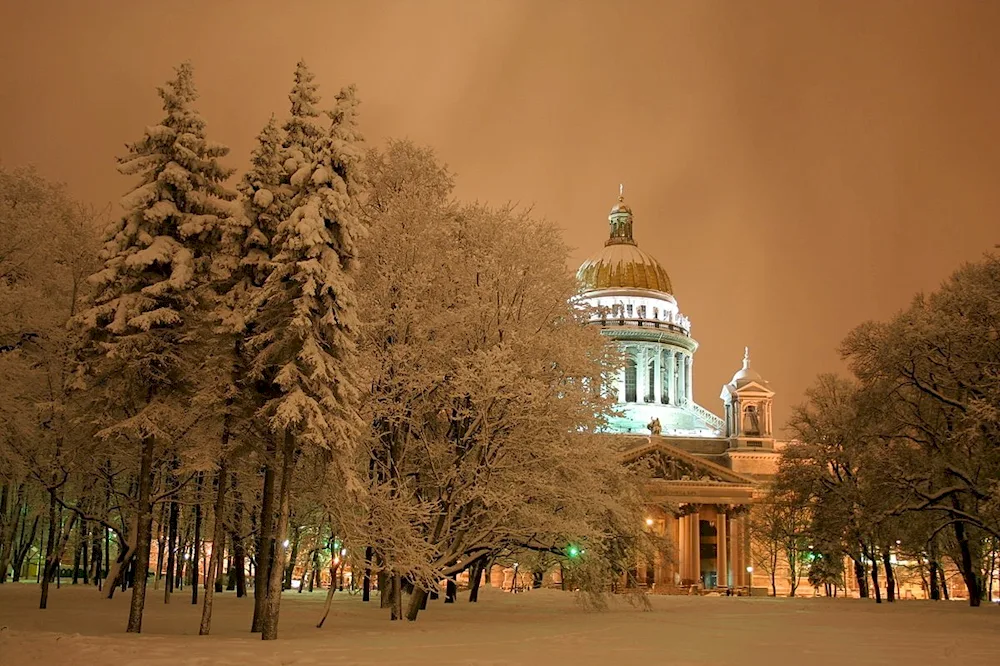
x: 621, y: 264
x: 624, y: 265
x: 621, y: 207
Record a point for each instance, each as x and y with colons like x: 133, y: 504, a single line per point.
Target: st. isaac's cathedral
x: 709, y: 468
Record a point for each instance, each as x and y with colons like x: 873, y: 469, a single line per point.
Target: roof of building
x: 746, y: 374
x: 621, y: 263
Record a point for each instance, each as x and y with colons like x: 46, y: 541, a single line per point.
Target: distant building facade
x: 707, y: 468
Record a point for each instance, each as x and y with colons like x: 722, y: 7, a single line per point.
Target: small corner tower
x: 747, y: 400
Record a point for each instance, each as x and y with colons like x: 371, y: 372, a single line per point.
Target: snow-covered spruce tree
x: 148, y: 294
x: 269, y: 191
x: 303, y: 319
x: 247, y: 246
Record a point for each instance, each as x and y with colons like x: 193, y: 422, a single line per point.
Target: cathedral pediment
x: 755, y: 387
x: 671, y: 463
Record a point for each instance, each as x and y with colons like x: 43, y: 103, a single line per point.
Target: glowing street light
x: 649, y: 522
x: 285, y: 543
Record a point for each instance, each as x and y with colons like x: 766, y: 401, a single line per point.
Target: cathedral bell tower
x: 747, y: 400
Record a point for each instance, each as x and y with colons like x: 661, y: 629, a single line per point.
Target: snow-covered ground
x: 540, y: 627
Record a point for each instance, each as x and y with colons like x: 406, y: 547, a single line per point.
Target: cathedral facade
x: 708, y: 469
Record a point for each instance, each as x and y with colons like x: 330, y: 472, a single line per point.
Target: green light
x: 572, y: 551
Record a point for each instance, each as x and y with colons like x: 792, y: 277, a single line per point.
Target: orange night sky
x: 798, y: 167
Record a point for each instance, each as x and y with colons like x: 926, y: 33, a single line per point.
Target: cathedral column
x: 671, y: 389
x: 683, y: 548
x: 687, y: 378
x: 621, y: 383
x: 695, y: 547
x: 721, y: 562
x: 684, y: 378
x: 678, y: 377
x: 641, y: 374
x: 657, y: 375
x: 670, y: 567
x: 739, y: 552
x: 651, y: 382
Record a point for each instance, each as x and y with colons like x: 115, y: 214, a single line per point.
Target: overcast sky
x: 798, y: 167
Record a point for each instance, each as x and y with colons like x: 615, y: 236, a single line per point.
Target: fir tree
x: 301, y: 130
x: 265, y: 202
x: 304, y: 316
x: 149, y: 294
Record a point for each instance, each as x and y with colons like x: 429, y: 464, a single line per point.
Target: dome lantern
x: 620, y: 220
x: 621, y: 264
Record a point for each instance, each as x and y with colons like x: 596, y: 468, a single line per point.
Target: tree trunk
x: 85, y: 551
x: 219, y: 568
x: 306, y: 575
x: 935, y: 587
x: 96, y: 572
x: 143, y: 537
x: 265, y: 541
x: 314, y: 579
x: 875, y: 586
x: 451, y: 591
x: 76, y: 560
x: 366, y: 588
x: 236, y: 537
x: 196, y: 546
x: 126, y: 551
x: 418, y: 600
x: 890, y: 580
x: 61, y: 541
x: 397, y: 597
x: 290, y: 569
x: 334, y: 564
x: 168, y: 584
x: 269, y: 627
x: 161, y: 544
x: 384, y: 590
x: 50, y: 546
x: 859, y: 575
x: 476, y: 574
x: 967, y: 567
x: 218, y: 536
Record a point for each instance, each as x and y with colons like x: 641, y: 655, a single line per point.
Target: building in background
x: 707, y: 468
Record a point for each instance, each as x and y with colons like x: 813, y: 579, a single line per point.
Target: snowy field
x: 539, y: 627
